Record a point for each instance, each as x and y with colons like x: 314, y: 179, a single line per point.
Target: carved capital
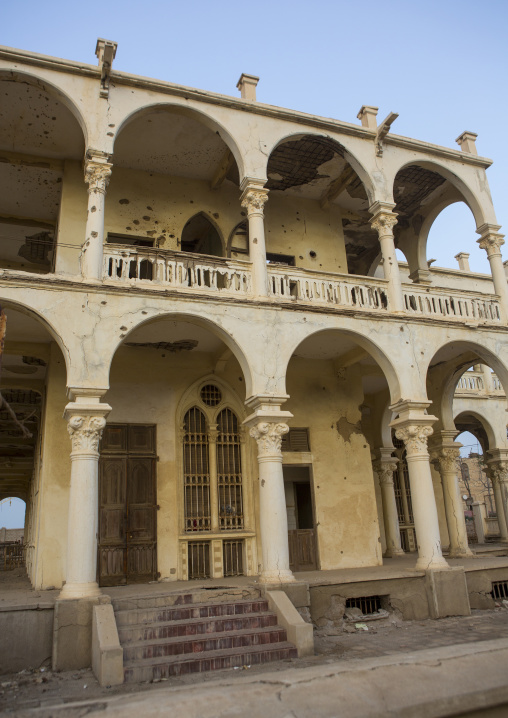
x: 499, y: 472
x: 97, y: 175
x: 254, y: 200
x: 269, y: 437
x: 213, y: 433
x: 385, y: 470
x: 492, y: 243
x: 445, y: 459
x: 384, y: 223
x: 85, y: 432
x: 415, y: 438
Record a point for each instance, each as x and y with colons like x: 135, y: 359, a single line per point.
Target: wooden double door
x: 127, y: 547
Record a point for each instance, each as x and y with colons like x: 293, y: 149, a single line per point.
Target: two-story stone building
x: 210, y: 285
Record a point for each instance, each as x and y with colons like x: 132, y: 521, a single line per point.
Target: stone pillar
x: 86, y: 419
x: 414, y: 427
x: 445, y: 459
x: 383, y: 221
x: 213, y: 433
x: 254, y: 196
x: 267, y: 426
x: 479, y: 522
x: 492, y: 241
x: 498, y: 473
x: 384, y: 468
x: 97, y: 174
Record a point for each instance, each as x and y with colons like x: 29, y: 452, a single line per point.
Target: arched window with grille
x: 196, y: 468
x: 229, y: 472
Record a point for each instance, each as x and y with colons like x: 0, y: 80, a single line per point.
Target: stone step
x: 222, y: 594
x: 188, y: 612
x: 129, y: 633
x: 157, y: 668
x: 162, y: 647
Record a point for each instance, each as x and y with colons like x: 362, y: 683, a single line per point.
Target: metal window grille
x: 229, y: 472
x: 499, y: 589
x: 367, y: 604
x: 11, y: 556
x: 196, y: 471
x: 199, y: 559
x: 211, y: 395
x: 296, y: 439
x: 398, y: 497
x: 232, y: 553
x: 403, y: 479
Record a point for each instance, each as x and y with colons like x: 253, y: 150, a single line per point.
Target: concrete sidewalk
x: 461, y: 680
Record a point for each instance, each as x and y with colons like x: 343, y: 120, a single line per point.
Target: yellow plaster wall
x: 297, y: 226
x: 51, y: 552
x: 344, y: 493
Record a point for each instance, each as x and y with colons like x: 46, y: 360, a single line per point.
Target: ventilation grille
x: 500, y: 589
x: 232, y: 553
x: 296, y: 440
x: 211, y: 395
x: 367, y: 604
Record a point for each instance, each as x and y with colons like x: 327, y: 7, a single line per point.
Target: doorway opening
x: 300, y: 514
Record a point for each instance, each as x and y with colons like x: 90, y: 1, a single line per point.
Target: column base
x: 430, y: 564
x: 392, y: 553
x: 461, y: 553
x: 80, y: 590
x: 275, y: 577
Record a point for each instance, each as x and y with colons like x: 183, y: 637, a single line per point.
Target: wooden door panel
x: 114, y: 438
x: 141, y: 439
x: 302, y: 550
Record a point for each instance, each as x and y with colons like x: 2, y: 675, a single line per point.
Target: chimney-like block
x: 467, y: 142
x: 367, y: 116
x: 247, y: 86
x: 463, y: 260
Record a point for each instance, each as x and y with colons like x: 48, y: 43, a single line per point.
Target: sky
x: 441, y: 64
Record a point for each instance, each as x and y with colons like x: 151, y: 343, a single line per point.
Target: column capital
x: 490, y: 239
x: 384, y: 470
x: 267, y: 424
x: 213, y: 433
x: 268, y: 435
x: 383, y: 218
x: 445, y: 457
x: 498, y: 470
x: 97, y: 170
x: 85, y: 424
x: 254, y: 195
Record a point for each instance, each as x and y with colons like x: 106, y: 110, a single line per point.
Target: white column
x: 445, y: 459
x: 384, y: 469
x: 267, y: 426
x: 86, y: 419
x: 254, y: 197
x: 383, y: 221
x: 414, y: 427
x: 97, y: 174
x: 492, y: 241
x: 498, y: 472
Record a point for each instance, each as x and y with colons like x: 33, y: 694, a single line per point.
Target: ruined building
x: 222, y: 366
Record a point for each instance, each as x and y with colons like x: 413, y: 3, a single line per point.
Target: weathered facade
x: 210, y: 285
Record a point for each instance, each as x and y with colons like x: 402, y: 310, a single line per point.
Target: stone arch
x: 369, y: 346
x: 51, y: 329
x: 468, y: 195
x: 200, y: 321
x: 427, y: 226
x: 350, y: 156
x: 49, y: 87
x: 486, y: 425
x: 196, y: 114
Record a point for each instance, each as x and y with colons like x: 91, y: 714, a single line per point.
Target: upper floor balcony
x: 178, y: 190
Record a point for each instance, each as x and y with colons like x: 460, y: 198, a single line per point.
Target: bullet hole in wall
x: 312, y: 254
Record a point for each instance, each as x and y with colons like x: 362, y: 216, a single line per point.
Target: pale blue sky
x: 441, y: 64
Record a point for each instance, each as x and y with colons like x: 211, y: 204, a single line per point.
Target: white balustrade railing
x: 301, y: 285
x: 451, y: 304
x: 470, y: 382
x: 177, y: 270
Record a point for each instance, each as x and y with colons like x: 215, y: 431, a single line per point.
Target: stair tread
x: 203, y: 655
x: 187, y: 621
x: 202, y: 637
x: 184, y: 606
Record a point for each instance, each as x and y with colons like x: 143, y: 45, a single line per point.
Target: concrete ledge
x: 26, y: 635
x: 72, y: 632
x: 300, y: 633
x: 107, y: 653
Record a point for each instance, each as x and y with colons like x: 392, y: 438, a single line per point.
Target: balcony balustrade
x: 182, y: 271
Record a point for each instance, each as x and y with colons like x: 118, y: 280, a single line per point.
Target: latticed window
x: 196, y: 471
x: 229, y: 471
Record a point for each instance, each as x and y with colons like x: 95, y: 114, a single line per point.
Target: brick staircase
x: 179, y: 634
